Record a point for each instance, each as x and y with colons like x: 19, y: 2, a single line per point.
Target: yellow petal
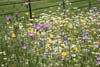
x: 13, y: 35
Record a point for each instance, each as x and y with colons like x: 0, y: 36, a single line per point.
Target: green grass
x: 38, y: 4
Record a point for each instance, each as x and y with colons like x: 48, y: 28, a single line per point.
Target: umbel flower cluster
x: 51, y: 40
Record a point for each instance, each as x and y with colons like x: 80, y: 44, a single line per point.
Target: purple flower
x: 42, y: 43
x: 85, y: 37
x: 98, y: 62
x: 98, y: 58
x: 98, y: 0
x: 8, y: 18
x: 46, y: 26
x: 38, y: 26
x: 65, y: 39
x: 25, y: 46
x: 26, y: 3
x: 98, y: 54
x: 86, y: 33
x: 63, y: 57
x: 31, y: 34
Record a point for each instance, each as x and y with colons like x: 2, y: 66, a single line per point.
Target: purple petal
x: 26, y: 3
x: 38, y: 26
x: 25, y: 46
x: 98, y: 58
x: 31, y: 34
x: 46, y: 26
x: 98, y: 62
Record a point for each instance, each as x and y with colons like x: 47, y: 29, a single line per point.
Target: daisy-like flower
x: 75, y: 49
x: 64, y: 53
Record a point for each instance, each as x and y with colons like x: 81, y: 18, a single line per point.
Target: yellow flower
x: 51, y: 36
x: 75, y: 49
x: 37, y: 42
x: 47, y: 45
x: 64, y: 53
x: 13, y: 35
x: 94, y: 33
x: 27, y: 13
x: 82, y: 21
x: 62, y: 21
x: 70, y: 39
x: 30, y: 30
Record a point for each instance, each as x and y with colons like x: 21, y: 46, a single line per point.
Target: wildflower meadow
x: 69, y: 38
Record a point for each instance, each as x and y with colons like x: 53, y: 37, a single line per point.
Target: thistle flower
x: 85, y: 37
x: 8, y: 18
x: 38, y: 26
x: 98, y: 62
x: 46, y: 26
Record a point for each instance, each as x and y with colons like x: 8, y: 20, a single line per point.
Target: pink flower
x: 25, y: 46
x: 31, y: 34
x: 63, y: 57
x: 46, y: 26
x: 38, y: 26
